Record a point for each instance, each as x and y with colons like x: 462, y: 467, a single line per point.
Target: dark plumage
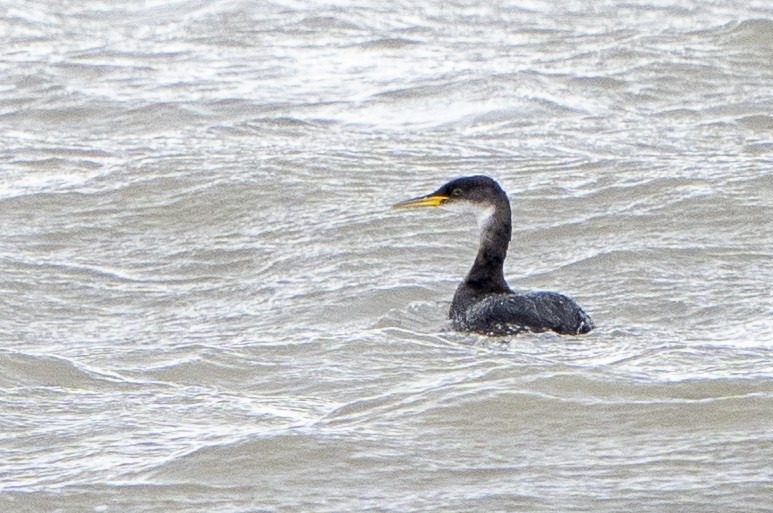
x: 483, y: 302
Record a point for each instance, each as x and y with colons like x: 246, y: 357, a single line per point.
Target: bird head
x: 479, y: 195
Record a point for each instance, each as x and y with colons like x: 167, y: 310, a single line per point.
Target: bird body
x: 484, y: 303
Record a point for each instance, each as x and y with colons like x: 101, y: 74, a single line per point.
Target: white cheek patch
x: 485, y: 218
x: 484, y: 214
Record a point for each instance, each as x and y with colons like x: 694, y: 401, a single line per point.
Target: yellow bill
x: 433, y: 200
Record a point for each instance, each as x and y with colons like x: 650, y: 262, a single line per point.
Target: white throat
x: 483, y: 214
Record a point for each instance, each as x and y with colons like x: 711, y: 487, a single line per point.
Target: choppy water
x: 207, y: 304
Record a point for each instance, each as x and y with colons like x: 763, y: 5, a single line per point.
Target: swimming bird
x: 484, y: 302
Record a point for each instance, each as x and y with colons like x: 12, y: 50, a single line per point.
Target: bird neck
x: 487, y: 272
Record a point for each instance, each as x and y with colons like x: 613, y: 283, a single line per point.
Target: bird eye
x: 456, y: 192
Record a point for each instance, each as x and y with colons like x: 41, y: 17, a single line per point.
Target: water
x: 208, y: 305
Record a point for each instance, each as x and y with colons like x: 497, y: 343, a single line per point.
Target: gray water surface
x: 207, y: 304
